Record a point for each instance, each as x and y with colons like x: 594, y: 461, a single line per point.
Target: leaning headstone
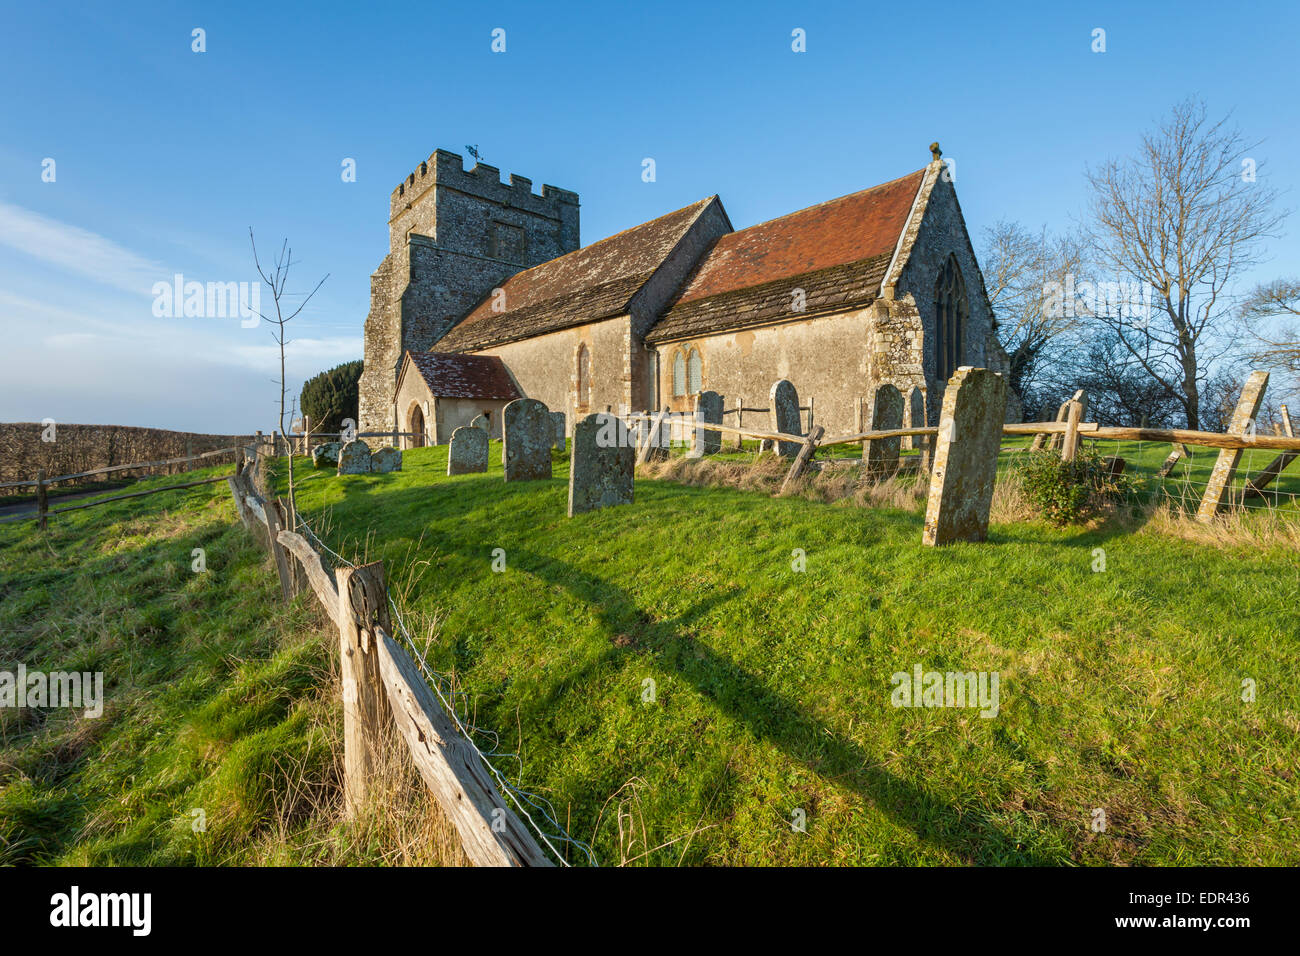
x: 558, y: 419
x: 602, y: 464
x: 527, y: 433
x: 708, y: 410
x: 784, y: 402
x: 1243, y: 421
x: 966, y: 457
x: 386, y: 459
x: 881, y: 454
x: 326, y: 455
x: 354, y: 458
x: 468, y: 451
x: 481, y: 422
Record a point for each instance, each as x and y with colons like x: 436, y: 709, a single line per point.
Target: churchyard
x: 688, y: 666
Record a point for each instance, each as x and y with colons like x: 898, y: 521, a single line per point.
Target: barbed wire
x: 444, y: 686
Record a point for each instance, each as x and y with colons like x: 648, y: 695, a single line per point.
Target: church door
x: 416, y: 425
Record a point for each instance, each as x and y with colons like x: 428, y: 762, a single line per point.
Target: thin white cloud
x: 77, y: 250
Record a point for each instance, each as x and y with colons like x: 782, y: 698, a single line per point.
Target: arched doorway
x: 415, y: 424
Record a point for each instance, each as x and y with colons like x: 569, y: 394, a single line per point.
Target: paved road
x: 18, y: 512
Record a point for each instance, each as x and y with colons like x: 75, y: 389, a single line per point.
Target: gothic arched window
x: 694, y: 373
x: 584, y: 376
x: 950, y: 314
x: 679, y: 375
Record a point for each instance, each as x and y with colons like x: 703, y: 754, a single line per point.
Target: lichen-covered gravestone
x: 558, y: 418
x: 966, y: 457
x: 881, y: 454
x: 915, y: 418
x: 708, y: 410
x: 386, y: 459
x: 602, y: 464
x: 784, y: 402
x: 481, y: 422
x: 354, y: 458
x: 468, y: 452
x: 527, y: 434
x: 326, y: 454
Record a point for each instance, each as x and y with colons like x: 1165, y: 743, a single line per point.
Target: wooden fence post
x: 1225, y: 467
x: 363, y: 605
x: 1255, y: 488
x: 274, y: 525
x: 42, y: 502
x: 740, y: 421
x: 801, y: 460
x: 1070, y: 447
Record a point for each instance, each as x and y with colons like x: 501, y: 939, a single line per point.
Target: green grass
x: 1120, y: 690
x: 217, y: 698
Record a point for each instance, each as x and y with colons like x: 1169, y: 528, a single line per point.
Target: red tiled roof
x: 594, y: 282
x: 452, y: 375
x: 836, y: 252
x: 862, y: 225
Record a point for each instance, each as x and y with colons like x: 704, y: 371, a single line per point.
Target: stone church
x: 489, y: 279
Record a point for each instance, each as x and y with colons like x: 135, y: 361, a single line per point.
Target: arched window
x: 694, y: 373
x: 584, y: 376
x: 950, y: 314
x: 679, y: 375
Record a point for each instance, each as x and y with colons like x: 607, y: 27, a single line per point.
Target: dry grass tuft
x: 1237, y: 529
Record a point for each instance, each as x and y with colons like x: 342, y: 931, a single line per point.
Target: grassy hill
x: 669, y: 680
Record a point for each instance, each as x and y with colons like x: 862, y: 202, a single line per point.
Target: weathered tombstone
x: 602, y: 464
x: 784, y: 402
x: 966, y: 457
x: 708, y: 410
x: 881, y: 454
x: 916, y: 419
x: 527, y: 433
x: 468, y: 451
x: 354, y: 458
x: 1243, y: 421
x: 386, y: 459
x: 481, y: 422
x: 326, y: 455
x: 558, y: 419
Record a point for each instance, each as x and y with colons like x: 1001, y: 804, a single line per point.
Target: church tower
x: 454, y: 236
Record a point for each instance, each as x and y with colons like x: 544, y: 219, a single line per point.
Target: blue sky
x: 164, y: 157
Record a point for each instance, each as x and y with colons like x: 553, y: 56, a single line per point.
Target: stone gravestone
x: 354, y: 458
x: 784, y: 402
x: 481, y: 422
x: 527, y: 435
x: 881, y: 455
x: 326, y: 454
x: 602, y: 464
x: 386, y: 459
x: 708, y: 410
x: 558, y: 419
x: 915, y: 417
x: 468, y: 451
x: 966, y: 457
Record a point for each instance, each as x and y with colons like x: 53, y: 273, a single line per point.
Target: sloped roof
x: 837, y: 252
x: 453, y: 375
x: 595, y: 282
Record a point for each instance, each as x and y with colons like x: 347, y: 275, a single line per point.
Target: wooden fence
x: 382, y: 684
x: 1066, y: 433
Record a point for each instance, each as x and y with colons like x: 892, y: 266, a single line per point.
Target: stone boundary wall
x: 79, y: 448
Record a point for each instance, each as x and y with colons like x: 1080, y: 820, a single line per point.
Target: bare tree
x: 1271, y: 314
x: 1182, y: 218
x: 1020, y: 270
x: 278, y: 279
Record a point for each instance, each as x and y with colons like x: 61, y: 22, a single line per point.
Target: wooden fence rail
x: 115, y: 468
x: 381, y: 683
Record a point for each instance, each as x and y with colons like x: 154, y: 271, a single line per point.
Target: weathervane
x: 473, y: 151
